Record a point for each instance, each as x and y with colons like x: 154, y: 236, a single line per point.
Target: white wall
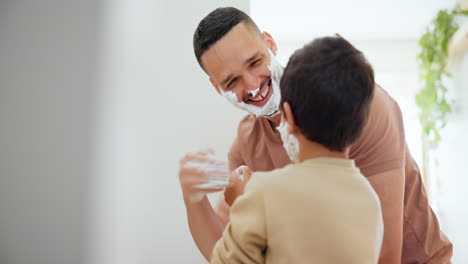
x: 48, y: 69
x: 98, y: 101
x: 358, y: 19
x: 155, y: 104
x: 453, y: 166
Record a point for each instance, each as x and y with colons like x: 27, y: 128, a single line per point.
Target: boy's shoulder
x: 277, y: 177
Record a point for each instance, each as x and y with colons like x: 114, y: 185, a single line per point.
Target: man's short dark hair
x: 329, y: 85
x: 217, y: 24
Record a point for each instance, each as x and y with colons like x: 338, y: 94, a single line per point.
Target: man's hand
x: 239, y: 179
x: 201, y: 173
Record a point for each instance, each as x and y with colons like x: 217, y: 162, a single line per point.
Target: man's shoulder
x: 249, y: 127
x: 250, y: 123
x: 373, y: 152
x: 257, y: 145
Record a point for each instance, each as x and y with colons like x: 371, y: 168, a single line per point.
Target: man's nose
x: 251, y: 83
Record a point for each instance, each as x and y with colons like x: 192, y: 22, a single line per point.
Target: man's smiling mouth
x: 262, y: 96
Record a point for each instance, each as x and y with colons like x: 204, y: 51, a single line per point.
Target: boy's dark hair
x: 329, y: 85
x: 217, y: 24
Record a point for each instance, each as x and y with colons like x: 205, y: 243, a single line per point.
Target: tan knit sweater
x: 322, y: 210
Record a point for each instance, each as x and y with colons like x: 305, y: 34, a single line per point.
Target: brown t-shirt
x: 411, y: 229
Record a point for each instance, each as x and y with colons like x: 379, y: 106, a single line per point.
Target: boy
x: 320, y: 209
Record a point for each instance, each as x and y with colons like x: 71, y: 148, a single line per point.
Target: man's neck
x: 310, y: 150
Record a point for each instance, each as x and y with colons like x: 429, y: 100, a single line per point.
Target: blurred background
x: 100, y: 99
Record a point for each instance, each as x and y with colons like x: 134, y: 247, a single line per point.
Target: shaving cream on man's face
x: 272, y: 106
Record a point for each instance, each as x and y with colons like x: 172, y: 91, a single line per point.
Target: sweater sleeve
x: 244, y: 239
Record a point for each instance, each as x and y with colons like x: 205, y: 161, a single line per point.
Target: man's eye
x: 255, y: 62
x: 231, y: 82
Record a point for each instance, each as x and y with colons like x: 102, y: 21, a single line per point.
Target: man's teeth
x: 262, y: 96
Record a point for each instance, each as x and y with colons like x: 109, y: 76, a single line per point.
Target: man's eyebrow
x: 245, y: 62
x: 252, y: 58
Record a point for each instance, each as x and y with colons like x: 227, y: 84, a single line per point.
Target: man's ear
x: 215, y: 85
x: 288, y: 115
x: 271, y: 44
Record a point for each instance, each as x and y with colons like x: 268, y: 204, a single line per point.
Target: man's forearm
x: 205, y: 225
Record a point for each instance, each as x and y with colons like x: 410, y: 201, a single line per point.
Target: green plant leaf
x: 432, y: 59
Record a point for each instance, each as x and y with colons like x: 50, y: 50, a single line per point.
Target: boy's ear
x: 289, y: 118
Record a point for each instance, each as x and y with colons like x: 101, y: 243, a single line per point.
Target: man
x: 238, y: 58
x: 319, y: 123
